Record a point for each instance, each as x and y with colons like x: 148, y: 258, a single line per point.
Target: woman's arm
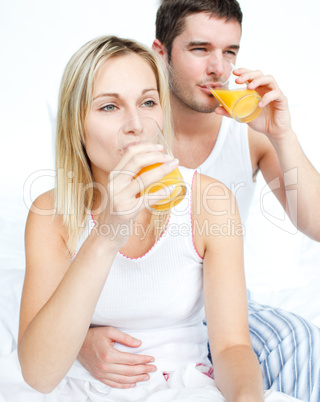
x: 236, y: 368
x: 59, y: 297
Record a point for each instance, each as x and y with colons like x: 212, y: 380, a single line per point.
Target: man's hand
x: 114, y: 368
x: 274, y: 120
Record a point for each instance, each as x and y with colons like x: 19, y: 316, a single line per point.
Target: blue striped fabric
x: 288, y: 349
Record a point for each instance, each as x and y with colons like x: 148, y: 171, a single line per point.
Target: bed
x: 282, y: 265
x: 283, y: 269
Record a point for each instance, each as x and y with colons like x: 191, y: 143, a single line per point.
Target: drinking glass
x: 241, y: 103
x: 146, y: 130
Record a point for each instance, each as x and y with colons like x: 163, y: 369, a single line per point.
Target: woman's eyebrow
x: 106, y: 94
x: 116, y: 95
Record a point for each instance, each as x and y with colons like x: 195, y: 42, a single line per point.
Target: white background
x: 37, y: 37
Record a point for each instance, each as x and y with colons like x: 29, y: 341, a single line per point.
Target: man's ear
x: 159, y: 48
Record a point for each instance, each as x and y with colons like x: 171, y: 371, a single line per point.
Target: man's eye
x: 199, y: 49
x: 230, y: 53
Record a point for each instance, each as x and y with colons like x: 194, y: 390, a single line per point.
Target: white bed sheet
x: 283, y: 269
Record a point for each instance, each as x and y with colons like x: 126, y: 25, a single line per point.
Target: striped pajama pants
x: 288, y: 349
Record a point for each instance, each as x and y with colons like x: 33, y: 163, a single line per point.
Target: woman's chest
x: 150, y: 292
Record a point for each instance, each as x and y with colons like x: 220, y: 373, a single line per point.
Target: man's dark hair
x: 171, y: 16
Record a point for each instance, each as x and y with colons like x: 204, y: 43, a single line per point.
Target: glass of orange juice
x: 145, y: 129
x: 240, y: 102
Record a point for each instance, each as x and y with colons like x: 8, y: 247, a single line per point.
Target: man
x: 191, y: 37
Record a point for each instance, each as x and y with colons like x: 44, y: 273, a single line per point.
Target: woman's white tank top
x: 158, y: 298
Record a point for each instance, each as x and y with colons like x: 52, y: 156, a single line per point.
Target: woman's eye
x: 149, y: 103
x: 109, y: 108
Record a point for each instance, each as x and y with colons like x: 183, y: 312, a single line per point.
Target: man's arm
x: 291, y: 176
x: 294, y: 181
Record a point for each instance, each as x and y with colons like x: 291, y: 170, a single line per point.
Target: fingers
x: 126, y: 374
x: 113, y: 367
x: 125, y: 185
x: 132, y: 154
x: 124, y: 196
x: 255, y: 79
x: 121, y: 381
x: 121, y: 337
x: 265, y: 85
x: 221, y: 111
x: 115, y: 356
x: 121, y: 376
x: 153, y: 168
x: 136, y: 158
x: 127, y: 371
x: 247, y: 75
x: 129, y: 359
x: 152, y: 175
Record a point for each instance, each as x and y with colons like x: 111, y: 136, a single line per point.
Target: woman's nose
x: 133, y: 126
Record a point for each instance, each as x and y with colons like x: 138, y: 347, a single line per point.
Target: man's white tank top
x: 230, y: 163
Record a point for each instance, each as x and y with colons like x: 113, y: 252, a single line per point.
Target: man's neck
x: 195, y: 135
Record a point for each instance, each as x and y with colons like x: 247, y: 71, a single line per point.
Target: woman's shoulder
x: 42, y: 214
x: 213, y: 201
x: 215, y: 213
x: 44, y: 201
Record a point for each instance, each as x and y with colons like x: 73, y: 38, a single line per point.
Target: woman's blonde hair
x: 74, y: 191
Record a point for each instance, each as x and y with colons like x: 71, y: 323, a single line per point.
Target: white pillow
x: 11, y: 282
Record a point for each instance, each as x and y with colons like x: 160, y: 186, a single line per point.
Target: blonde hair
x: 74, y: 192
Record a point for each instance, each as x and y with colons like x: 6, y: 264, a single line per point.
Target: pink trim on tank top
x: 149, y: 251
x: 137, y: 258
x: 74, y: 254
x: 94, y: 222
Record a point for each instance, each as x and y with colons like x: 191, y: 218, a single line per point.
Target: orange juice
x: 241, y: 104
x: 173, y: 178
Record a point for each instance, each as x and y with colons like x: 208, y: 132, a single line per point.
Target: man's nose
x: 218, y: 66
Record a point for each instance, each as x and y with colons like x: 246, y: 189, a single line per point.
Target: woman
x: 88, y: 265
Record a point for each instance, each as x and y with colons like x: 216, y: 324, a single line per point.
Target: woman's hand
x: 120, y: 202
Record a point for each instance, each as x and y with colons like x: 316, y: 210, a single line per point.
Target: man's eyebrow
x: 116, y: 95
x: 235, y: 47
x: 199, y: 43
x: 205, y: 43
